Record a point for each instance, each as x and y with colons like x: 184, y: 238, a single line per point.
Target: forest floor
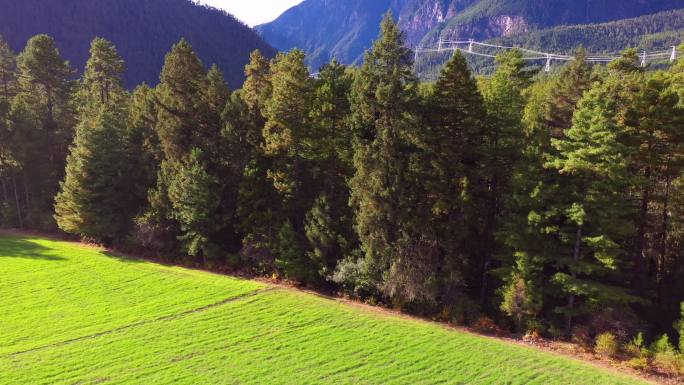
x: 72, y: 313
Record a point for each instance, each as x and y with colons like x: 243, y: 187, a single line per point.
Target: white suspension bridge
x: 476, y: 48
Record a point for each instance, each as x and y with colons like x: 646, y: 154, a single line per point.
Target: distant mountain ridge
x: 142, y: 30
x: 345, y: 28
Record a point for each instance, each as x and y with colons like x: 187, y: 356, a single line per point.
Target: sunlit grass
x: 71, y: 314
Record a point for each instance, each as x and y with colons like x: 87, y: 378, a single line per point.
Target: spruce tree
x: 193, y: 194
x: 95, y: 200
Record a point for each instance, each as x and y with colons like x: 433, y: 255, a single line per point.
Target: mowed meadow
x: 79, y: 315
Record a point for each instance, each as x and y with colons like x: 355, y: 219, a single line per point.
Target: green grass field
x: 76, y: 315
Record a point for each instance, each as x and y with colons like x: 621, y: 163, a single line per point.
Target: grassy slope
x: 133, y: 322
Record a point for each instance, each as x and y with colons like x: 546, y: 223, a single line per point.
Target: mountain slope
x: 494, y: 18
x: 345, y: 28
x: 143, y: 32
x: 327, y: 28
x: 650, y: 32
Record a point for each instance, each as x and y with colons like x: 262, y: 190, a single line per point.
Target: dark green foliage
x: 194, y: 201
x: 94, y: 201
x: 452, y: 154
x: 502, y: 153
x: 383, y: 190
x: 41, y: 122
x: 530, y: 229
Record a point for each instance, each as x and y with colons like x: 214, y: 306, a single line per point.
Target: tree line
x: 550, y: 203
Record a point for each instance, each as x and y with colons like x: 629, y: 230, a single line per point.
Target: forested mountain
x: 143, y: 31
x: 663, y: 29
x: 344, y: 29
x: 658, y: 31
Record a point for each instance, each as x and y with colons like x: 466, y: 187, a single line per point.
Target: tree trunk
x: 5, y: 198
x: 571, y: 297
x: 639, y: 257
x: 26, y: 192
x: 16, y: 201
x: 490, y: 224
x: 663, y: 238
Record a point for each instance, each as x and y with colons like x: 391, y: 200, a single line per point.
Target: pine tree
x: 383, y: 190
x: 193, y: 193
x: 288, y: 129
x: 593, y: 166
x: 42, y: 119
x: 180, y: 107
x: 10, y: 212
x: 529, y: 231
x: 102, y: 77
x: 453, y: 154
x: 258, y: 207
x: 328, y: 224
x: 505, y: 102
x: 95, y: 200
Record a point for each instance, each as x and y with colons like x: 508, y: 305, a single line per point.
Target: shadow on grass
x: 20, y: 247
x: 123, y: 258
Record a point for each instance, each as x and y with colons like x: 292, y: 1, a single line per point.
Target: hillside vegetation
x: 75, y: 314
x: 660, y: 31
x: 542, y: 204
x: 143, y: 31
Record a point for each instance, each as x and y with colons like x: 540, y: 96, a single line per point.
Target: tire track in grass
x: 147, y: 322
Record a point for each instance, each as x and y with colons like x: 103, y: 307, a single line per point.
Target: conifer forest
x: 542, y: 202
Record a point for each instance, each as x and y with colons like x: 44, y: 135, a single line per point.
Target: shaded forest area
x: 543, y: 204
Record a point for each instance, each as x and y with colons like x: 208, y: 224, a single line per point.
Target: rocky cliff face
x: 418, y: 17
x: 345, y: 28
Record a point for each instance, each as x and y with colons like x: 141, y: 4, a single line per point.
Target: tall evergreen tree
x: 287, y: 130
x: 179, y: 128
x: 10, y: 212
x: 42, y: 122
x: 291, y: 147
x: 593, y: 166
x: 454, y: 155
x: 328, y: 225
x: 530, y: 228
x: 258, y: 212
x: 505, y: 102
x: 383, y: 190
x: 94, y: 200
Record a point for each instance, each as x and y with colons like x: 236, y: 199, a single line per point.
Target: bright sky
x: 254, y: 12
